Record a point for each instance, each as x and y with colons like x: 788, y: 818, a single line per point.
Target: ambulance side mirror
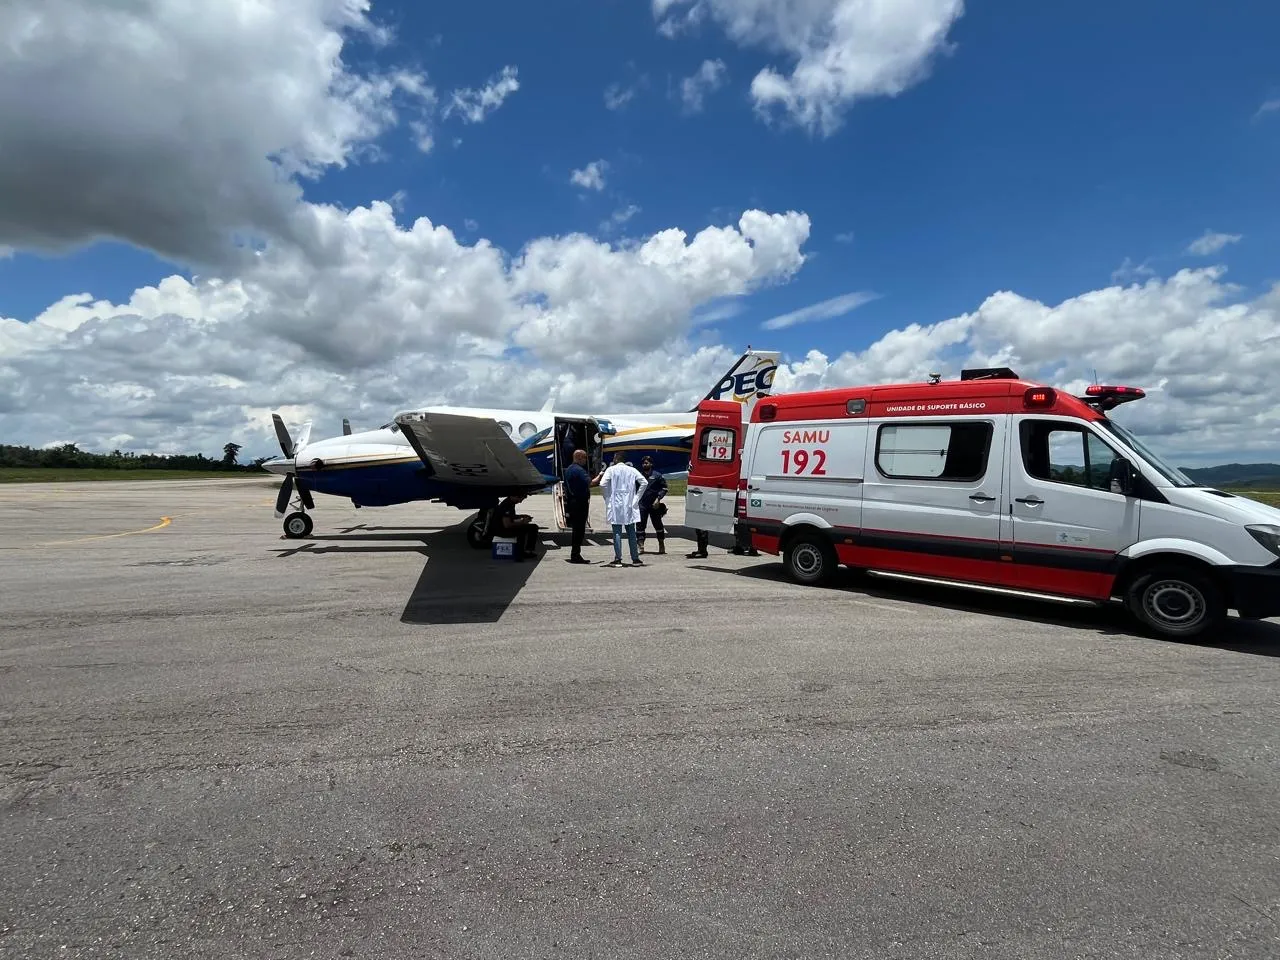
x: 1122, y: 479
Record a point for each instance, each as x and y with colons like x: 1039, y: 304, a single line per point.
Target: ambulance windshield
x: 1165, y: 469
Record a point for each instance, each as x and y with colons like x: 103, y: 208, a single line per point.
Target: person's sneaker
x: 637, y: 562
x: 578, y: 560
x: 614, y: 563
x: 696, y: 555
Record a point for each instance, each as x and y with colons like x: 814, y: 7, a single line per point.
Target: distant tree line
x: 68, y: 455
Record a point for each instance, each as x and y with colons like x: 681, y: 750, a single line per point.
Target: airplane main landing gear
x: 477, y: 530
x: 297, y: 525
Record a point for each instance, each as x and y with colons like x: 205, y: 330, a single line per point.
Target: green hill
x: 1256, y: 475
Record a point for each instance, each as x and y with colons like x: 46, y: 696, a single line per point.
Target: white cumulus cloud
x: 1211, y: 243
x: 1205, y: 354
x: 616, y: 96
x: 395, y: 315
x: 838, y: 51
x: 708, y: 78
x: 473, y: 105
x: 590, y: 177
x: 187, y: 127
x: 825, y: 310
x: 178, y: 125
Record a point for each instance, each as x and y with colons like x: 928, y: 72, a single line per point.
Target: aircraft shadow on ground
x: 1258, y: 638
x: 459, y: 583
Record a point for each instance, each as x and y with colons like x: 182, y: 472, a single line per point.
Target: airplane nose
x: 278, y: 466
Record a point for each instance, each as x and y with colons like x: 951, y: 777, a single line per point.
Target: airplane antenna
x: 1095, y: 376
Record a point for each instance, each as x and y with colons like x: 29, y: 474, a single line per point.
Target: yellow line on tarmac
x: 164, y: 522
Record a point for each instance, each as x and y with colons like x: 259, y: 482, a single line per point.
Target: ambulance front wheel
x: 809, y: 559
x: 1177, y: 601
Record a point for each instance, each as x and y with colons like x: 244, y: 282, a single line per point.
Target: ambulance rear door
x: 807, y: 472
x: 715, y: 467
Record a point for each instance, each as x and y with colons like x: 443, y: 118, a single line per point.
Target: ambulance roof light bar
x: 1104, y: 397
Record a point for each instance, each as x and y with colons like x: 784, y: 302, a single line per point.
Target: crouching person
x: 519, y: 526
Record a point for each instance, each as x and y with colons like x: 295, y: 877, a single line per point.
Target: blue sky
x: 1050, y: 152
x: 1041, y: 152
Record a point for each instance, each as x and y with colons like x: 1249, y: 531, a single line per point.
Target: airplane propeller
x: 291, y: 450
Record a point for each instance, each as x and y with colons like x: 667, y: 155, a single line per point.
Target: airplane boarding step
x: 595, y: 514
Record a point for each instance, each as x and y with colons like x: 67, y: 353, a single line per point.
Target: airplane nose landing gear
x: 297, y: 525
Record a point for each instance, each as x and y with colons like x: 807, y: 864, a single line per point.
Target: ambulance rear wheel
x: 809, y: 559
x: 1177, y: 601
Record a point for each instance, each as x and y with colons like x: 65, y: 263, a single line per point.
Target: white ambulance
x: 989, y: 482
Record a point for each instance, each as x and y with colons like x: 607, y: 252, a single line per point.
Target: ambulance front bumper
x: 1254, y: 591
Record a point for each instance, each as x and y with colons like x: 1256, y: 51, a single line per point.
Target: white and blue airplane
x: 470, y: 457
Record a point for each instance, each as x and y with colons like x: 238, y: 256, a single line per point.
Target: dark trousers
x: 576, y: 514
x: 702, y: 538
x: 526, y: 538
x: 658, y: 528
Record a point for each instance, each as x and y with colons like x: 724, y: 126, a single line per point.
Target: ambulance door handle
x: 1032, y: 501
x: 980, y: 497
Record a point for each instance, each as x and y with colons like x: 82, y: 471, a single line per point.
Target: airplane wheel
x: 475, y: 531
x: 297, y: 525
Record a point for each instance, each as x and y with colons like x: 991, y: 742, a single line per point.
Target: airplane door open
x: 574, y: 433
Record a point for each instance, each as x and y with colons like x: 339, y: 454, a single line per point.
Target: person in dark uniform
x: 651, y: 505
x: 519, y: 526
x: 742, y: 545
x: 568, y: 444
x: 700, y: 553
x: 577, y: 503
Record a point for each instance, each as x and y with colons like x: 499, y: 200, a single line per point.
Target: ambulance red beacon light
x: 989, y: 482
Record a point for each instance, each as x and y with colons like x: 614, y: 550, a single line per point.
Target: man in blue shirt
x: 577, y: 503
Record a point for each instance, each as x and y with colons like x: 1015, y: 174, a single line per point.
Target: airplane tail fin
x: 751, y: 375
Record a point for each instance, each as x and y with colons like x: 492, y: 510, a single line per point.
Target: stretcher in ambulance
x: 990, y: 482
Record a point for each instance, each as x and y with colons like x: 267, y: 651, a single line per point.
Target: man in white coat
x: 621, y: 485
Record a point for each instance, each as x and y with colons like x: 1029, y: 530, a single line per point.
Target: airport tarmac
x: 380, y: 743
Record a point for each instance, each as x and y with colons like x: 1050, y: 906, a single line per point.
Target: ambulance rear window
x: 717, y: 444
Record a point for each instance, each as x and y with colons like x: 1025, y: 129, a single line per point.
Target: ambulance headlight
x: 1267, y: 534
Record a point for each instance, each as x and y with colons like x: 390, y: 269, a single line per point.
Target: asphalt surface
x: 379, y: 743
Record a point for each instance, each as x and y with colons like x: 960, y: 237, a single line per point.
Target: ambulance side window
x: 933, y: 451
x: 1066, y: 453
x: 717, y: 444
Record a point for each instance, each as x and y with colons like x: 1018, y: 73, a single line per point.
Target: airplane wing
x: 469, y: 451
